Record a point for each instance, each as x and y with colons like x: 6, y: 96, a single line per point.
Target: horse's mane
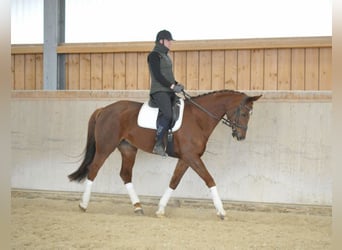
x: 217, y: 91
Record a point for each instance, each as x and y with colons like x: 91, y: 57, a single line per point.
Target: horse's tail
x: 89, y: 154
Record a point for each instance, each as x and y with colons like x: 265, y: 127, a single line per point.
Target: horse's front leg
x: 198, y: 166
x: 217, y: 202
x: 178, y: 173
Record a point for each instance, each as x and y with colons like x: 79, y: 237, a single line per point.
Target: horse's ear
x: 253, y: 98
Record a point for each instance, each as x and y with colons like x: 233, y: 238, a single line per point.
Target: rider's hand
x: 178, y: 88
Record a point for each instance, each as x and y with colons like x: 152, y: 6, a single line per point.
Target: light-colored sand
x: 53, y: 221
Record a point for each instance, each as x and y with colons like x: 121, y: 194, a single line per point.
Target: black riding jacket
x: 160, y: 66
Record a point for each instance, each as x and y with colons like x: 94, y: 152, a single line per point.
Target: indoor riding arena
x: 276, y: 185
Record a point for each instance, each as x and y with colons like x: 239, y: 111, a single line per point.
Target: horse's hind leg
x: 93, y: 170
x: 128, y: 154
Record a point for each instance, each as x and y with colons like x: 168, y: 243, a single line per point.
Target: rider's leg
x: 163, y: 101
x: 162, y: 127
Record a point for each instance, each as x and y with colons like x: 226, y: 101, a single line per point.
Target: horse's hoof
x: 139, y: 211
x: 83, y: 209
x: 221, y: 215
x: 160, y: 214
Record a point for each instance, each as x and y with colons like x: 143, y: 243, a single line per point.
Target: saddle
x: 148, y: 114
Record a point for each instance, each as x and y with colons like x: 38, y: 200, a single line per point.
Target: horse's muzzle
x: 236, y: 135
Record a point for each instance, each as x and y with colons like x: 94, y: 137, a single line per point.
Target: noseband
x: 234, y: 124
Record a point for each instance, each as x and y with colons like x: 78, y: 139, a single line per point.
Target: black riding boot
x: 159, y: 147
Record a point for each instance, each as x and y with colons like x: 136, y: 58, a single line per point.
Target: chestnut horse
x: 115, y: 126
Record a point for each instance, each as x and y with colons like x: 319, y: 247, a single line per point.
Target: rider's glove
x: 178, y: 88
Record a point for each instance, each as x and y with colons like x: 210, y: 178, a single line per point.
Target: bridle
x: 234, y: 124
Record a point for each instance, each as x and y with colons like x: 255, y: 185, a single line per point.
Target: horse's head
x: 238, y: 120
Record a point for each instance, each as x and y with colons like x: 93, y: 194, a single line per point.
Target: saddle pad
x: 147, y: 117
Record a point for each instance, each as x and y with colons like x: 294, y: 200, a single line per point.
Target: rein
x: 228, y: 122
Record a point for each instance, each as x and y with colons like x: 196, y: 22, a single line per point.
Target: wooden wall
x: 27, y: 67
x: 240, y: 64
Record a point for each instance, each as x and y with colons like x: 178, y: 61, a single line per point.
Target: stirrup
x: 159, y: 150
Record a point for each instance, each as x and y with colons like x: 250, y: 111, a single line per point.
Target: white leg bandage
x: 217, y: 201
x: 132, y: 194
x: 86, y: 195
x: 165, y: 198
x: 163, y: 202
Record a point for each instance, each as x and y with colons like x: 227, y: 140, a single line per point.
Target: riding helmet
x: 164, y: 34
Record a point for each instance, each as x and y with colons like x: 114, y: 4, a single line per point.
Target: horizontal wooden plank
x: 104, y: 47
x: 188, y: 45
x: 27, y: 49
x: 198, y: 45
x: 143, y: 95
x: 257, y: 43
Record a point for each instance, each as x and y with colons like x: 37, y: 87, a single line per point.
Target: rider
x: 163, y: 86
